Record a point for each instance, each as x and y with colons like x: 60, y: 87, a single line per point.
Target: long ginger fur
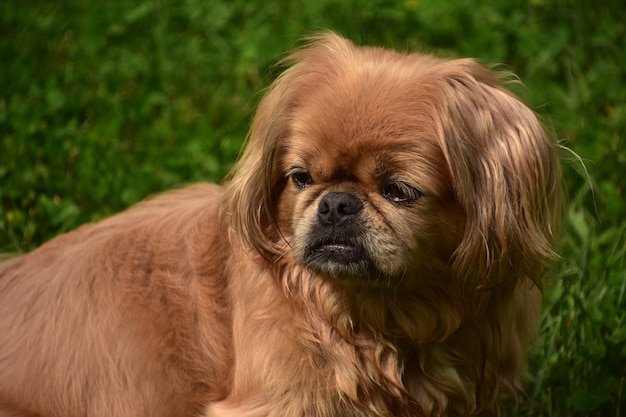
x: 202, y: 301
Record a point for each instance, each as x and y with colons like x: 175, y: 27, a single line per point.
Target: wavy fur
x: 203, y: 301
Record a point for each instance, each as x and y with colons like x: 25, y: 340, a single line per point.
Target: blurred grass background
x: 103, y: 103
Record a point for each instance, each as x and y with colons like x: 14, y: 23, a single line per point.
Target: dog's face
x: 368, y: 197
x: 376, y: 168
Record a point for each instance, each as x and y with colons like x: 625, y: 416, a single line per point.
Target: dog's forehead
x: 370, y: 153
x: 365, y: 119
x: 369, y: 125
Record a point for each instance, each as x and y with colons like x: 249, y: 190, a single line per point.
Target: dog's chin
x: 346, y: 262
x: 338, y: 259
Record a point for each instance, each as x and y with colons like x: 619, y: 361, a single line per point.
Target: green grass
x: 104, y: 103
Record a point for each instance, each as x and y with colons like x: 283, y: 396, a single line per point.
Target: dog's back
x: 6, y: 259
x: 105, y: 320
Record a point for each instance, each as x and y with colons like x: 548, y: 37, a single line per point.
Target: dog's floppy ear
x: 254, y: 182
x: 506, y: 177
x: 247, y: 202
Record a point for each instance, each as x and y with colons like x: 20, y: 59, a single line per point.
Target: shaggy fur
x: 377, y: 251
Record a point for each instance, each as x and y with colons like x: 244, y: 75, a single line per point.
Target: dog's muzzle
x: 336, y: 240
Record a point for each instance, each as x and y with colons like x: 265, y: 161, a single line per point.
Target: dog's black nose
x: 337, y: 207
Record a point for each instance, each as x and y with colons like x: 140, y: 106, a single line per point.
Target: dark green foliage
x: 103, y: 103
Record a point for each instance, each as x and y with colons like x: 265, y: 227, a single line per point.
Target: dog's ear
x: 256, y: 180
x: 250, y: 184
x: 506, y: 176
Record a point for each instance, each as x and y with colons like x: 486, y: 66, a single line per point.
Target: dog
x: 378, y: 249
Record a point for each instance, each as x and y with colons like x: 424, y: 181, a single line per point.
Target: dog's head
x: 382, y: 169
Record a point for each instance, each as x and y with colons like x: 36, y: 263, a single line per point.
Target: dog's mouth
x: 338, y: 252
x: 341, y: 258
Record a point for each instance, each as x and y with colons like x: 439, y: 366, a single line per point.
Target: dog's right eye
x: 302, y: 179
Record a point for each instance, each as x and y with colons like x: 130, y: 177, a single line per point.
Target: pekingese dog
x: 378, y: 250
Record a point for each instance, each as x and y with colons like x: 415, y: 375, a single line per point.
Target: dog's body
x: 377, y: 251
x: 126, y: 317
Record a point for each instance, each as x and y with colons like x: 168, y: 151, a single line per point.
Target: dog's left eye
x: 302, y: 179
x: 400, y: 192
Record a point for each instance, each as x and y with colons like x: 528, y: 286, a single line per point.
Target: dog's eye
x: 302, y: 179
x: 400, y: 192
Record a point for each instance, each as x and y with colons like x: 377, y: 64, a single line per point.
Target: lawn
x: 104, y: 103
